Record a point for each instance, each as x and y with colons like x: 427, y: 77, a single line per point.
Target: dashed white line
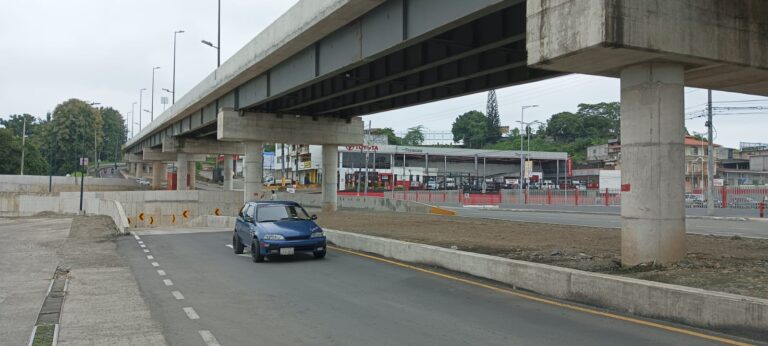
x: 191, y: 314
x: 228, y: 245
x: 161, y: 272
x: 146, y: 250
x: 150, y: 257
x: 140, y: 242
x: 142, y: 245
x: 136, y: 236
x: 177, y: 295
x: 155, y: 264
x: 168, y: 282
x: 208, y: 338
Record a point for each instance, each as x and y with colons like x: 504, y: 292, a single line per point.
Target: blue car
x: 277, y: 228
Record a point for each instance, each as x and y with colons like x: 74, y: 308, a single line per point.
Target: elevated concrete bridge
x: 308, y: 77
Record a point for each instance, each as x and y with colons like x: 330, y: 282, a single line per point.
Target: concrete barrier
x: 731, y: 313
x: 39, y: 184
x: 148, y: 209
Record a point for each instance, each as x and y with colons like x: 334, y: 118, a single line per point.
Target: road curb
x: 736, y: 314
x: 702, y: 217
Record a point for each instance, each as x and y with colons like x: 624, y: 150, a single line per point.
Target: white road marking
x: 161, y: 272
x: 208, y: 338
x: 168, y: 282
x: 136, y: 236
x: 177, y: 295
x: 191, y: 314
x: 142, y: 245
x: 228, y: 245
x: 140, y: 242
x: 150, y: 257
x: 155, y: 264
x: 146, y: 250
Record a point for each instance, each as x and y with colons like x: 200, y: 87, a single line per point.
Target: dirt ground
x: 733, y: 265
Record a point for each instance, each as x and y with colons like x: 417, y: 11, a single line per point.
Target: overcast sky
x: 104, y: 51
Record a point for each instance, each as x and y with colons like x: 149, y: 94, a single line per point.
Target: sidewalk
x: 102, y: 302
x: 691, y: 213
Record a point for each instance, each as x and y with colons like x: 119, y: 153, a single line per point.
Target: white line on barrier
x: 191, y: 313
x: 177, y: 295
x: 208, y: 338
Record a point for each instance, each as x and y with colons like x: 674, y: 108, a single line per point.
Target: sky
x: 104, y: 51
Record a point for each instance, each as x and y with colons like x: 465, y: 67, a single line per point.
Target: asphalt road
x: 756, y: 229
x: 346, y: 299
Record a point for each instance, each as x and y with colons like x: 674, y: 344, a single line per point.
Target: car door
x: 241, y: 225
x: 250, y: 227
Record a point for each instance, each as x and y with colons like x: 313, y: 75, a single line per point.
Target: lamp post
x: 207, y: 43
x: 133, y: 114
x: 522, y: 154
x: 141, y: 94
x: 173, y: 86
x: 218, y: 40
x: 152, y: 107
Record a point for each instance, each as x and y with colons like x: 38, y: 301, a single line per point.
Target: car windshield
x: 269, y: 213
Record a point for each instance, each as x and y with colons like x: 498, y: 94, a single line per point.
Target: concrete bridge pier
x: 253, y: 171
x: 330, y: 177
x: 158, y: 174
x: 652, y: 133
x: 182, y: 170
x: 227, y: 172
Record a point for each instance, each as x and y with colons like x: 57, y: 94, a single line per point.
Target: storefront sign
x: 718, y: 182
x: 360, y: 147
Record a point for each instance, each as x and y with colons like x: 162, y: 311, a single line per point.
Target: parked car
x: 142, y: 182
x: 450, y: 184
x: 694, y: 200
x: 743, y: 202
x: 277, y: 228
x: 432, y: 185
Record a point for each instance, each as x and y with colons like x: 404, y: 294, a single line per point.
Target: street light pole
x: 152, y: 107
x: 522, y: 153
x: 23, y: 142
x: 141, y: 94
x: 133, y: 117
x: 710, y: 158
x: 218, y: 39
x: 173, y: 86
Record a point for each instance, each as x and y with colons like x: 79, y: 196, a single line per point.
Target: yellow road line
x: 550, y: 302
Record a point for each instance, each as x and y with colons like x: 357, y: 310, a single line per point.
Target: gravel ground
x: 733, y: 265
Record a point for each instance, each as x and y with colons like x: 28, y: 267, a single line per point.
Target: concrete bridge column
x: 158, y: 172
x: 228, y: 168
x: 652, y: 150
x: 182, y: 169
x: 192, y: 174
x: 330, y: 176
x: 253, y: 170
x: 139, y: 170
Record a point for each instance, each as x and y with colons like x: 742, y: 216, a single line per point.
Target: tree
x: 10, y: 151
x: 565, y: 127
x: 114, y: 133
x: 414, y: 136
x: 472, y: 128
x: 392, y: 138
x: 609, y: 111
x: 494, y: 122
x: 74, y: 129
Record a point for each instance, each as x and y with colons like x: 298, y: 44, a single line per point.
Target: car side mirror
x: 313, y: 217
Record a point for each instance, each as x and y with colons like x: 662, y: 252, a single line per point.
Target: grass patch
x: 43, y: 335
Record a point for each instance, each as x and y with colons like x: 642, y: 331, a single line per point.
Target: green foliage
x: 392, y: 139
x: 494, y: 121
x: 472, y: 128
x: 114, y: 133
x: 10, y: 151
x: 414, y: 136
x: 74, y: 130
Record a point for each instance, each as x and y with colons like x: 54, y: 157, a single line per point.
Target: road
x: 755, y: 229
x: 203, y: 294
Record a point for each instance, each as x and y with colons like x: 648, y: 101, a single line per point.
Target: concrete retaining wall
x: 697, y: 307
x: 366, y: 203
x: 39, y: 184
x: 147, y: 209
x: 16, y: 204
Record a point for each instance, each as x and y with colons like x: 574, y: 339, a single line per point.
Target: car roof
x: 274, y: 202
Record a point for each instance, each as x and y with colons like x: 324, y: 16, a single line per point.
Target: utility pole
x: 710, y: 158
x: 23, y: 142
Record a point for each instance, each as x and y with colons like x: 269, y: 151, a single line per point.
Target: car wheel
x: 237, y: 246
x: 319, y: 254
x: 256, y: 252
